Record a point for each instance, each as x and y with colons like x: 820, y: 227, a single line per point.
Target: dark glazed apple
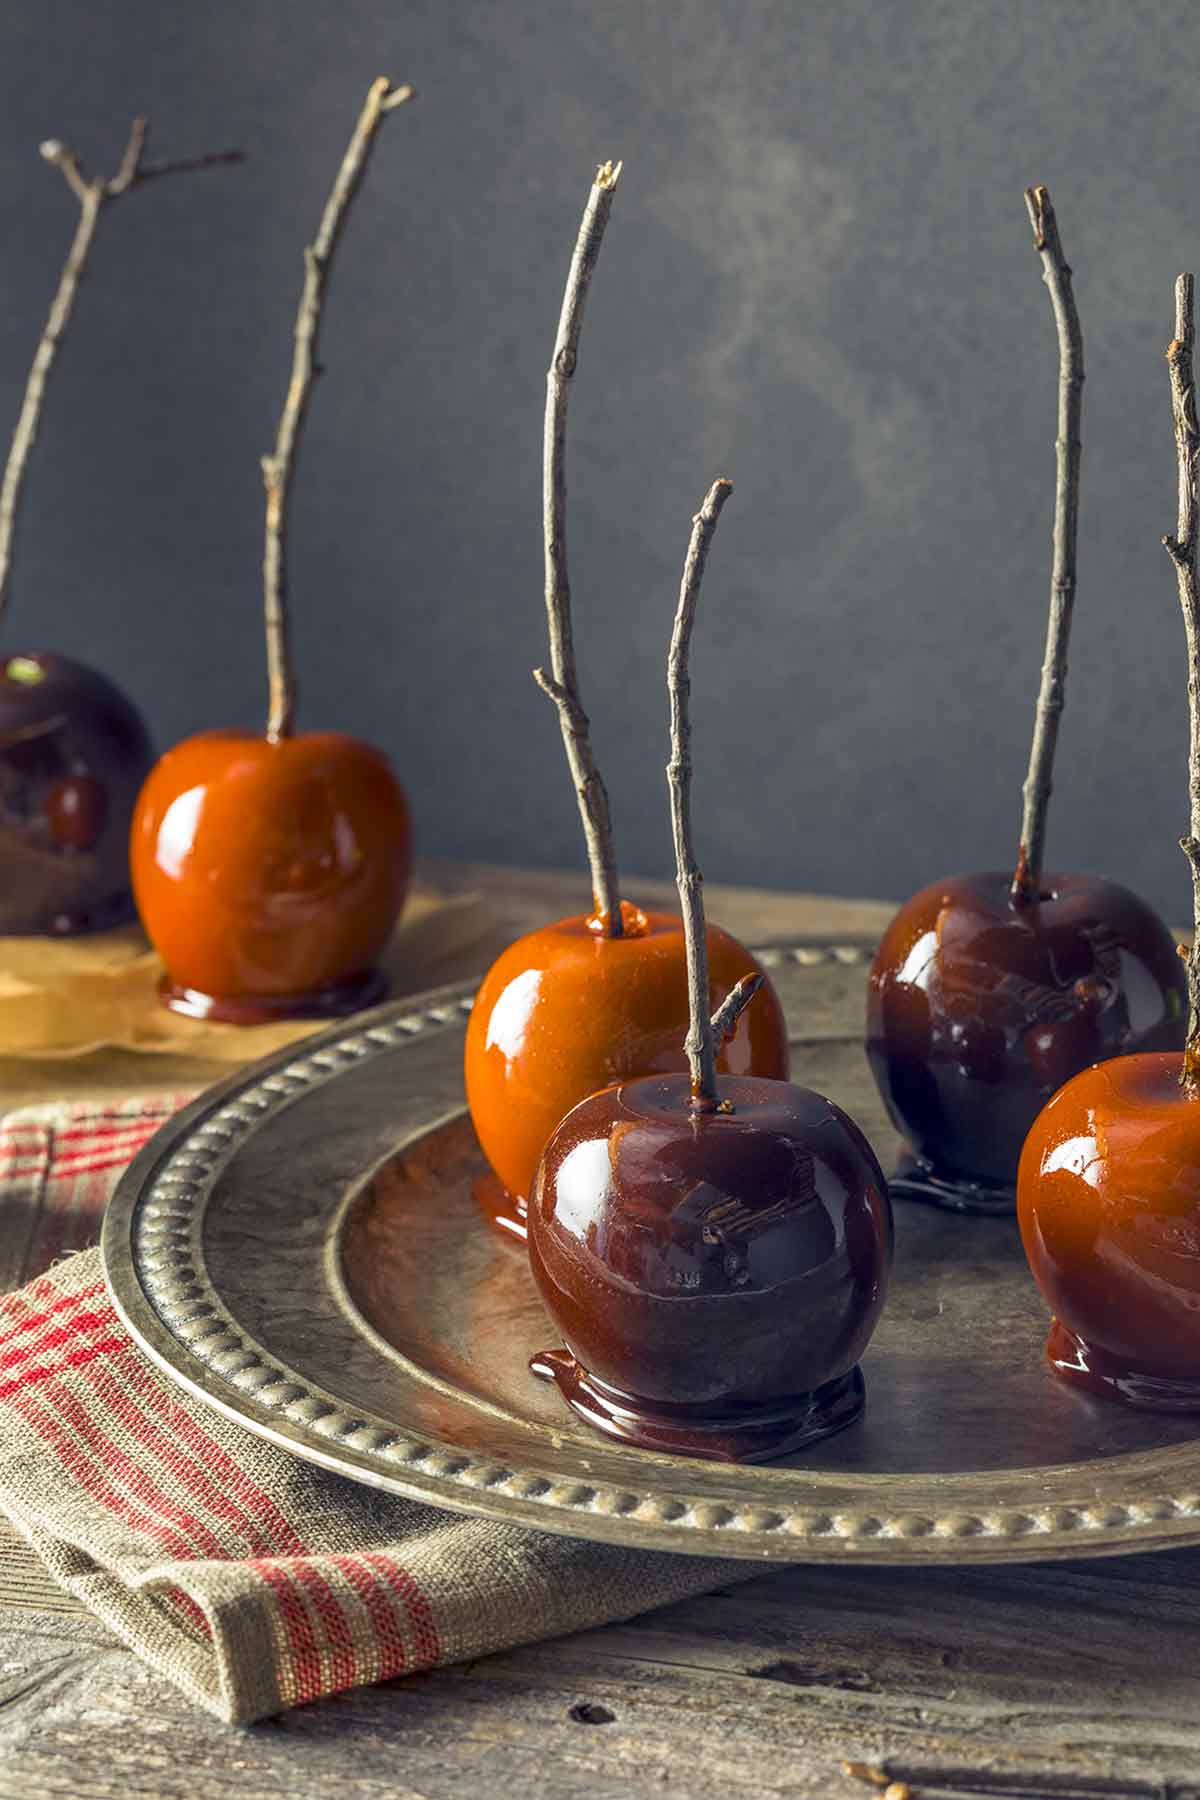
x: 981, y: 1006
x: 715, y: 1274
x: 990, y: 990
x: 713, y: 1248
x: 73, y: 754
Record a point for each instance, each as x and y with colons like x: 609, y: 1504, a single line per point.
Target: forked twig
x: 732, y: 1007
x: 93, y: 194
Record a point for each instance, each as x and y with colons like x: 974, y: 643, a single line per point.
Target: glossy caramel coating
x: 979, y: 1009
x: 1109, y: 1208
x: 716, y: 1275
x: 269, y: 876
x: 567, y: 1010
x: 73, y: 754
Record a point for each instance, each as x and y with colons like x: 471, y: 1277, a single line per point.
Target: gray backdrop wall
x: 819, y: 279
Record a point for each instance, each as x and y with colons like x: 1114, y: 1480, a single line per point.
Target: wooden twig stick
x: 93, y: 194
x: 1182, y: 551
x: 732, y: 1007
x: 1026, y: 882
x: 279, y: 467
x: 699, y: 1043
x: 562, y: 681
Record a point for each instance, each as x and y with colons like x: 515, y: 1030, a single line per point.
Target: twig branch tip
x: 131, y: 161
x: 733, y: 1006
x: 551, y: 688
x: 1035, y: 201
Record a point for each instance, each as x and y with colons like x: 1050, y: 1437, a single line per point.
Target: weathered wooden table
x: 1065, y: 1682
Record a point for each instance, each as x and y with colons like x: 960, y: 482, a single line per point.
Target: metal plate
x: 299, y: 1248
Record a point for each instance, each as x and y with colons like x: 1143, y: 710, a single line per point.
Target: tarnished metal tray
x: 300, y: 1249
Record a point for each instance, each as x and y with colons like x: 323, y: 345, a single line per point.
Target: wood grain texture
x: 957, y: 1683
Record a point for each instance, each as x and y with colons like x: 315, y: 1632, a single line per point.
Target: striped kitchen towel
x: 251, y: 1579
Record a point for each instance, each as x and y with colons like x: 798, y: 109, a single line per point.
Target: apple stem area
x: 1039, y: 781
x: 93, y: 194
x: 1182, y: 550
x: 278, y: 468
x: 702, y: 1037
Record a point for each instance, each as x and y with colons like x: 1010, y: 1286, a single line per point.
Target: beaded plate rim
x: 156, y: 1274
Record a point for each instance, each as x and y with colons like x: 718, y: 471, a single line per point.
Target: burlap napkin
x: 254, y: 1581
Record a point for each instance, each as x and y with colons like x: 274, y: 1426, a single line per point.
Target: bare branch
x: 1182, y: 550
x: 550, y: 687
x: 280, y: 466
x: 63, y: 158
x: 131, y: 162
x: 93, y: 194
x: 1026, y: 883
x: 573, y: 721
x: 699, y: 1043
x: 732, y: 1007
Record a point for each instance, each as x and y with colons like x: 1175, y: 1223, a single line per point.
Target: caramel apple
x: 269, y: 869
x: 713, y: 1248
x: 270, y: 872
x: 1109, y: 1206
x: 569, y: 1008
x: 603, y: 996
x: 1109, y: 1187
x: 73, y: 748
x: 73, y: 754
x: 980, y: 1007
x: 715, y: 1274
x: 989, y: 991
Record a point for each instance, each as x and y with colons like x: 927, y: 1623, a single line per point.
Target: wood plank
x: 23, y: 1577
x: 1000, y: 1682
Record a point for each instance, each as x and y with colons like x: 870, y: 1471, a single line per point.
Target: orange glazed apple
x: 270, y: 869
x: 269, y: 874
x: 1109, y: 1204
x: 569, y: 1009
